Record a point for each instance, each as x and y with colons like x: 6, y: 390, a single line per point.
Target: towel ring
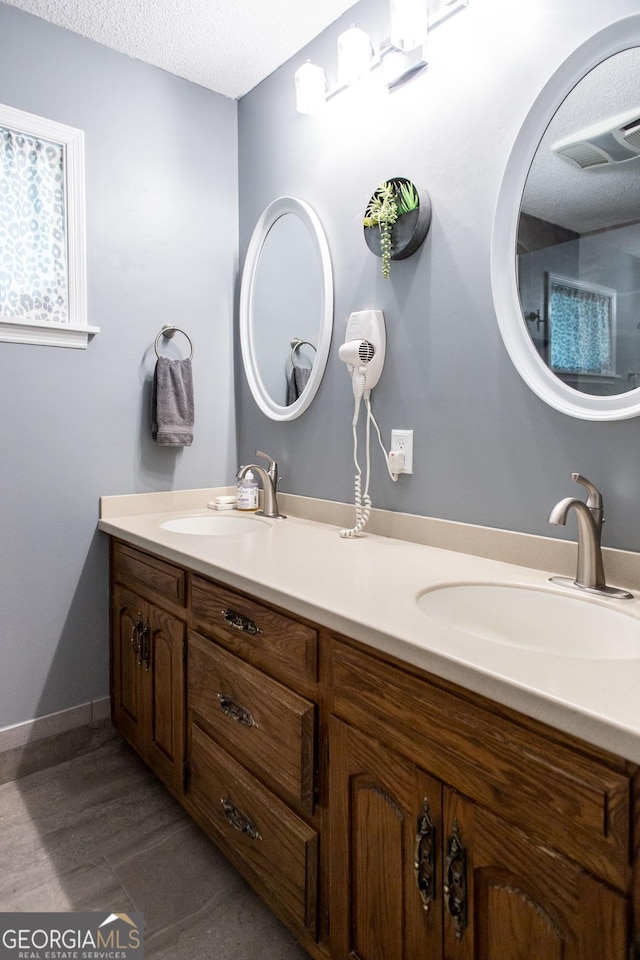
x: 296, y: 343
x: 168, y: 332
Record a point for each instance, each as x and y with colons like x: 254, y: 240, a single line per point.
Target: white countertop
x: 366, y: 588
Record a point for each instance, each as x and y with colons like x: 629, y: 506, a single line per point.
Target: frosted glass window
x: 42, y: 232
x: 33, y: 267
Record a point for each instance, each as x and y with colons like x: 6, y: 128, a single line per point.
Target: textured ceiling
x: 594, y: 199
x: 226, y: 45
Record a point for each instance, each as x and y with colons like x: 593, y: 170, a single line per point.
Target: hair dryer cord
x: 362, y: 500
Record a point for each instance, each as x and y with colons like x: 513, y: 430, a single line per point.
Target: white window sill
x: 47, y: 334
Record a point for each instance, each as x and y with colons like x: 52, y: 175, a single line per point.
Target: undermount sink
x: 536, y: 619
x: 215, y: 525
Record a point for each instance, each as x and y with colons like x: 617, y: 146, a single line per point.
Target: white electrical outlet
x: 402, y: 441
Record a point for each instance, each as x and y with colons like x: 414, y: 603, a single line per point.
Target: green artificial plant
x: 382, y: 212
x: 407, y: 197
x: 392, y: 199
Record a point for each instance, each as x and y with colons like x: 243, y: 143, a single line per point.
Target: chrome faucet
x: 269, y: 478
x: 590, y: 576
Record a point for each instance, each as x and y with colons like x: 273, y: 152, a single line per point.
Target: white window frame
x: 76, y: 332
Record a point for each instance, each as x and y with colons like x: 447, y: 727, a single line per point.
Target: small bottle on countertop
x: 247, y: 492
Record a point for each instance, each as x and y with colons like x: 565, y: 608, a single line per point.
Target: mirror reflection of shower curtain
x: 581, y: 328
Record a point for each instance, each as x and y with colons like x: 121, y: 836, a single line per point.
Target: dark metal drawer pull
x: 136, y: 637
x: 455, y: 880
x: 424, y: 861
x: 146, y: 646
x: 232, y: 709
x: 239, y: 820
x: 239, y: 622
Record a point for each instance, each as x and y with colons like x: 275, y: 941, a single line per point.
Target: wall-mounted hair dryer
x: 363, y: 352
x: 364, y: 348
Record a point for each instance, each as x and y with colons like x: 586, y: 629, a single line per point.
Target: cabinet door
x: 509, y: 898
x: 129, y: 616
x: 164, y: 677
x: 386, y: 901
x: 148, y: 683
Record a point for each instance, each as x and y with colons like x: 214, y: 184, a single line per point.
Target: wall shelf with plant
x: 396, y: 220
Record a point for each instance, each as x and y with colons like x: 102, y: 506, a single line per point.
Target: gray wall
x: 161, y: 159
x: 487, y: 450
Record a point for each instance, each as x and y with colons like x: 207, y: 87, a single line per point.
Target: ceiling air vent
x: 611, y: 141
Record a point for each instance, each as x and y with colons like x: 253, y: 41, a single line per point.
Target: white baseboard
x: 52, y: 724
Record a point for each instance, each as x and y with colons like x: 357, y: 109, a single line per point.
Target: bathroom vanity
x: 381, y: 810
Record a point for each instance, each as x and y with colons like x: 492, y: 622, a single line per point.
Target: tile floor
x: 99, y: 832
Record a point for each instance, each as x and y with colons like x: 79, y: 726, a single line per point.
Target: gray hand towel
x: 296, y: 382
x: 172, y: 403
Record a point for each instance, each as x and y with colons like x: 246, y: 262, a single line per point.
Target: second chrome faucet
x: 590, y: 574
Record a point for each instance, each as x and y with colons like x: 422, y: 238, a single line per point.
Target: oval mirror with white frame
x: 286, y: 308
x: 565, y: 254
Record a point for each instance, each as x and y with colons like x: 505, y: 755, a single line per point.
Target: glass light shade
x: 311, y: 88
x: 354, y: 55
x: 394, y: 65
x: 409, y: 21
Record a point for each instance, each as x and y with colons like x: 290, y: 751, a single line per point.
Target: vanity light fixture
x: 394, y: 65
x: 398, y: 57
x: 409, y: 21
x: 355, y: 55
x: 311, y: 88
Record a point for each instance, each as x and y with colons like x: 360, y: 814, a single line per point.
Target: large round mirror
x: 566, y: 244
x: 286, y: 308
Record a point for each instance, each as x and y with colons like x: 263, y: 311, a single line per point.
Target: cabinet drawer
x: 578, y: 804
x: 263, y: 636
x: 269, y: 726
x: 278, y: 850
x: 136, y: 568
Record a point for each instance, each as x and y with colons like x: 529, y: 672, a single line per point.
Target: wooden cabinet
x: 275, y: 848
x: 267, y: 638
x: 268, y: 726
x: 252, y: 745
x: 520, y: 898
x: 147, y: 673
x: 383, y: 813
x: 386, y: 820
x: 422, y: 867
x: 420, y: 871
